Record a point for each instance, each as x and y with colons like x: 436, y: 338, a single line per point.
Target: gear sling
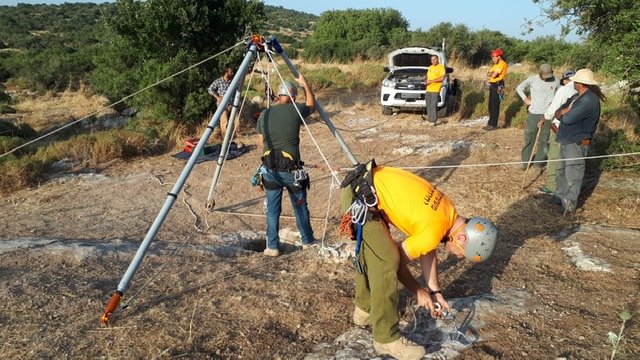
x: 362, y: 209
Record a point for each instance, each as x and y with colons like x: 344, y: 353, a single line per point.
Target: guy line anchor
x: 457, y: 333
x: 255, y: 43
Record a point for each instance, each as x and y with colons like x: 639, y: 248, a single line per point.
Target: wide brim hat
x: 584, y: 76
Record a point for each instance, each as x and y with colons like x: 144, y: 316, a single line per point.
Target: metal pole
x: 112, y: 305
x: 225, y: 145
x: 319, y: 107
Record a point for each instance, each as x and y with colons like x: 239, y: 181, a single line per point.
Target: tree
x: 610, y: 26
x: 151, y: 40
x: 344, y: 35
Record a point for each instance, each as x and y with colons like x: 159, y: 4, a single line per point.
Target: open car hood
x: 412, y: 57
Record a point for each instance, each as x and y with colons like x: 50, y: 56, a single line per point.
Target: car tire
x: 450, y: 106
x: 387, y: 110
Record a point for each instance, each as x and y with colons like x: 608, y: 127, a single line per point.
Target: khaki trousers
x: 552, y: 154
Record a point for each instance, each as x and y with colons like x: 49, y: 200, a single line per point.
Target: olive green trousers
x: 377, y: 288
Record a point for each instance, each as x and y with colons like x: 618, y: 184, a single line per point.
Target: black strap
x: 277, y: 160
x: 361, y: 181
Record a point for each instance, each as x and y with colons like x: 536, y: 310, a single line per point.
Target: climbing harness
x: 282, y: 161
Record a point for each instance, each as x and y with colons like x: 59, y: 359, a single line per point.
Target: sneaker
x: 490, y: 127
x: 431, y: 123
x: 361, y: 317
x: 545, y: 190
x: 271, y: 252
x: 401, y: 349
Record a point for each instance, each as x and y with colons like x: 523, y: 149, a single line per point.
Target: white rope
x: 119, y: 101
x: 333, y: 185
x: 507, y: 163
x: 333, y: 173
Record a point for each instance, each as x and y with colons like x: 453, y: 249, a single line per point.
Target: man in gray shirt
x: 542, y: 87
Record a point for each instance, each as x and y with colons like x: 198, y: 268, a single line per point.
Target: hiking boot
x: 401, y: 349
x: 306, y: 246
x: 545, y: 190
x: 271, y: 252
x: 361, y: 317
x: 568, y: 206
x: 489, y: 127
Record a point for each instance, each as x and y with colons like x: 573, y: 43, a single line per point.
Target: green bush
x: 22, y: 130
x: 8, y: 143
x: 6, y: 109
x: 4, y: 97
x: 618, y: 143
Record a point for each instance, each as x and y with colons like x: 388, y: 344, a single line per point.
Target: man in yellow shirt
x: 496, y: 75
x: 428, y: 218
x: 435, y: 76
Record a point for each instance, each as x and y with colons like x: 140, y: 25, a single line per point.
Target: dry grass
x: 52, y: 110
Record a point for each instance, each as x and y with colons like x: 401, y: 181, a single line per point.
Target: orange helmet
x: 497, y: 52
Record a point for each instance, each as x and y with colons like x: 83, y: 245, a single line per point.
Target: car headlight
x: 388, y: 83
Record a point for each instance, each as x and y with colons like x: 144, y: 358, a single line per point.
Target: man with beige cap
x: 542, y: 87
x: 579, y: 118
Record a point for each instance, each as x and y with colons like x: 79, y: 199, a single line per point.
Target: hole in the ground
x: 260, y: 245
x: 254, y: 245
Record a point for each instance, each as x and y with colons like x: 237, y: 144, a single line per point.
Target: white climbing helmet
x: 286, y: 88
x: 481, y: 239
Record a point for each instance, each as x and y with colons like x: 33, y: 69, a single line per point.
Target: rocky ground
x: 554, y: 287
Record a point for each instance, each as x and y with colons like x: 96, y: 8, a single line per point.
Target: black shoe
x: 490, y: 127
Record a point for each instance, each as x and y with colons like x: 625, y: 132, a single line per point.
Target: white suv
x: 404, y: 87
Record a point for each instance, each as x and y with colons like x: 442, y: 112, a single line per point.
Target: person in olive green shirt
x: 278, y: 128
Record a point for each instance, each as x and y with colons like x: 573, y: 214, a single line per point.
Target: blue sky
x: 508, y: 17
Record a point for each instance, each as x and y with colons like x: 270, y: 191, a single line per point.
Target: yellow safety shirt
x: 414, y: 206
x: 434, y: 72
x: 500, y: 68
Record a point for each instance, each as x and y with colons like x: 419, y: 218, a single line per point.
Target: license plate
x: 410, y: 95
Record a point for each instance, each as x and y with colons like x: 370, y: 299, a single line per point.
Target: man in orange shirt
x: 428, y: 218
x: 435, y: 76
x: 496, y: 75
